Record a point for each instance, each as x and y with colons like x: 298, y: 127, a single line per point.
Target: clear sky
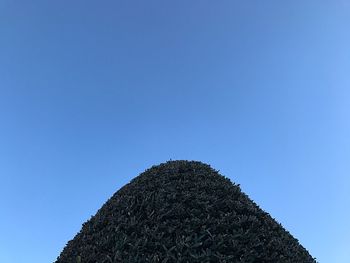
x: 92, y: 93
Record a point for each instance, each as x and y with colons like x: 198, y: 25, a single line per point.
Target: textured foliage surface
x: 182, y: 211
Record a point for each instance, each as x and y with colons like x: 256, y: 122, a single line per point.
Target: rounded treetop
x: 182, y: 211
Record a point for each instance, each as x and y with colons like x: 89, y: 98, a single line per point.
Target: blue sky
x: 93, y: 93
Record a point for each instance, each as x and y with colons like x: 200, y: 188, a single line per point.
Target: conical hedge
x: 182, y: 211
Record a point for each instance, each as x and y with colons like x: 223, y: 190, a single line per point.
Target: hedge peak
x: 182, y: 211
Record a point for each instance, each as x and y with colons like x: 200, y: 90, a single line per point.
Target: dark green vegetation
x: 182, y: 211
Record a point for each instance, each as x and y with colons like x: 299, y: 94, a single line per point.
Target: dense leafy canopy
x: 182, y: 211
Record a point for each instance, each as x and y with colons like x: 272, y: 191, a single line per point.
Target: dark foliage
x: 182, y: 211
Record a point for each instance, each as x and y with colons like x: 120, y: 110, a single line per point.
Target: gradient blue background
x: 92, y: 93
